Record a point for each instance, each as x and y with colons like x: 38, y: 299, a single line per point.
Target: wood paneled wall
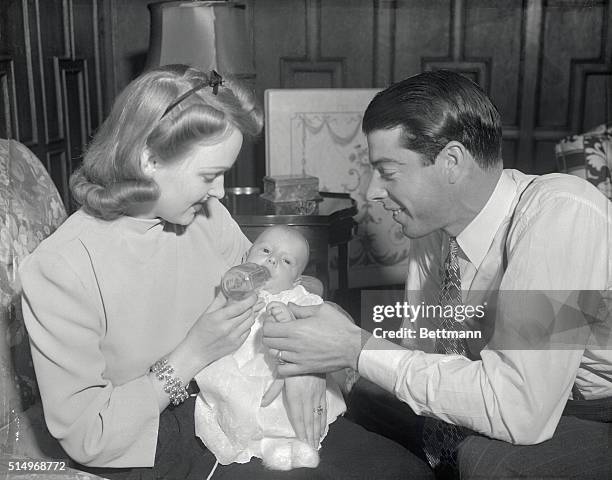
x: 547, y: 64
x: 52, y: 79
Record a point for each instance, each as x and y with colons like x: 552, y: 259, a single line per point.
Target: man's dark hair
x: 434, y: 108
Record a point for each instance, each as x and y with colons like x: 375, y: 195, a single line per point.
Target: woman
x: 115, y: 301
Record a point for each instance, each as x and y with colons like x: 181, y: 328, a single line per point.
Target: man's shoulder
x: 559, y: 189
x: 561, y: 183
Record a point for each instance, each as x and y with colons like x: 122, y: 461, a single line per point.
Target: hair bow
x: 214, y: 81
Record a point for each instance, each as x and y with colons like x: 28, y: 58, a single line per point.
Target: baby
x: 229, y: 417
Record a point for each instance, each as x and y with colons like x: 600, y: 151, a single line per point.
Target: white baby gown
x: 228, y: 415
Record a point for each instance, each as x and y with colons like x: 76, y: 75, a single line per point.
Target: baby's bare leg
x: 280, y: 312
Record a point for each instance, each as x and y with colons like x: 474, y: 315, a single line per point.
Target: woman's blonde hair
x: 110, y: 179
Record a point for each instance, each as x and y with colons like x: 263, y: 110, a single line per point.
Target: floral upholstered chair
x: 588, y: 156
x: 30, y: 210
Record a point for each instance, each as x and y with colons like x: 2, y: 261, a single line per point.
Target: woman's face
x: 185, y: 185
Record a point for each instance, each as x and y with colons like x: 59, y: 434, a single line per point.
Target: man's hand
x: 322, y: 339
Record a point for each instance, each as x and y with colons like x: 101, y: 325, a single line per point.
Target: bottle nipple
x: 239, y: 281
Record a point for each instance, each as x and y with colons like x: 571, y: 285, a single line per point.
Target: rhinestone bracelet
x: 173, y: 385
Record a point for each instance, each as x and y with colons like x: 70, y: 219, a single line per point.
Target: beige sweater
x: 103, y: 300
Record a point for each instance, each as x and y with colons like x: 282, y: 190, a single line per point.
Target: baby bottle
x: 241, y: 280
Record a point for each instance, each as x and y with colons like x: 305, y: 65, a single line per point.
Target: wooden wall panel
x: 52, y: 50
x: 279, y: 32
x: 346, y: 34
x: 87, y: 46
x: 575, y: 52
x: 509, y: 151
x: 57, y: 164
x: 544, y: 153
x: 570, y: 33
x: 383, y: 48
x: 8, y: 99
x: 73, y: 99
x: 54, y: 43
x: 597, y: 99
x: 546, y: 63
x: 501, y: 20
x: 419, y: 36
x: 128, y: 34
x: 17, y: 32
x: 313, y: 70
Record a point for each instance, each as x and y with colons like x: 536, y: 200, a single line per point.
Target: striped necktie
x: 441, y: 439
x: 450, y: 295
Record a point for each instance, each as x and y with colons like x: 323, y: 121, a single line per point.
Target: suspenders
x: 505, y: 252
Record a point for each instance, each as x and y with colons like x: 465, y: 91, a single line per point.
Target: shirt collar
x: 476, y: 238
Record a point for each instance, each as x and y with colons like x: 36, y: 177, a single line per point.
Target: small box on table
x: 291, y: 188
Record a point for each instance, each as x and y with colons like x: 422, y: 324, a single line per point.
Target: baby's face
x: 284, y: 252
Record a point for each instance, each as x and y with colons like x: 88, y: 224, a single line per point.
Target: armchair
x: 30, y: 210
x: 588, y: 156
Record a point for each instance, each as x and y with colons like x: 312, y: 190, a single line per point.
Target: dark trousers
x: 348, y: 452
x: 581, y: 448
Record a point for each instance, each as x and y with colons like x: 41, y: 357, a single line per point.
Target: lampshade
x: 208, y: 35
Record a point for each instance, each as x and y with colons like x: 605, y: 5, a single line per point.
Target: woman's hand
x: 215, y: 334
x: 307, y: 406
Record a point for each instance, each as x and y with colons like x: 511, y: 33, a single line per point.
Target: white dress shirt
x: 557, y: 240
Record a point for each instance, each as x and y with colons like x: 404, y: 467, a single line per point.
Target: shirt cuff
x: 379, y: 362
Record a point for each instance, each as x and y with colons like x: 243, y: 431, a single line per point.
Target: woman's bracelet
x: 173, y: 385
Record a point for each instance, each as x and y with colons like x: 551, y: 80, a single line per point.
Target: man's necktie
x: 450, y: 295
x: 441, y: 439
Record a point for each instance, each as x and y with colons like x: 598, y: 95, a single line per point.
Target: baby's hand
x: 279, y: 312
x: 273, y: 391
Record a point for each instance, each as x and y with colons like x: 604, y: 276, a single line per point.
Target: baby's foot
x: 287, y: 454
x: 276, y: 453
x: 280, y: 312
x: 303, y: 455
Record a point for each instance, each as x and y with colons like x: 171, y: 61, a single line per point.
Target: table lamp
x: 208, y: 35
x: 204, y: 34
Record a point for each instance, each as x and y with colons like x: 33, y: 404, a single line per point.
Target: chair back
x: 588, y: 156
x: 30, y: 210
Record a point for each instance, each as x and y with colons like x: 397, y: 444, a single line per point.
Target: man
x: 534, y: 250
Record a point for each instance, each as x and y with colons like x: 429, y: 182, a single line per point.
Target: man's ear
x: 453, y: 157
x: 148, y: 163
